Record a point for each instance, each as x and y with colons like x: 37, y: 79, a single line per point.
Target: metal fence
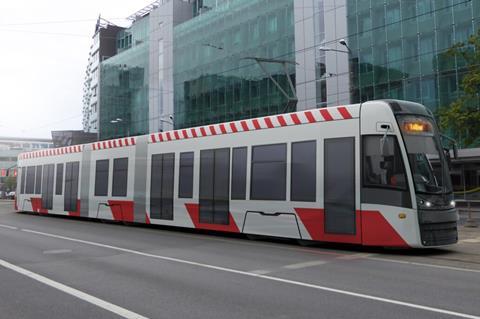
x: 469, y: 211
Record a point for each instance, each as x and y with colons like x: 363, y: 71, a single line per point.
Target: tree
x: 11, y: 183
x: 462, y: 117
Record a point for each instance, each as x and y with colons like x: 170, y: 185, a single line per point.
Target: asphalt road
x: 64, y: 268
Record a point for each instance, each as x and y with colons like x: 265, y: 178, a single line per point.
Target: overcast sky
x: 43, y: 58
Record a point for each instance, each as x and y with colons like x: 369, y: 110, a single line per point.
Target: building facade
x: 124, y: 84
x: 398, y: 48
x: 10, y: 147
x: 135, y: 86
x: 193, y: 62
x: 227, y: 61
x: 102, y: 48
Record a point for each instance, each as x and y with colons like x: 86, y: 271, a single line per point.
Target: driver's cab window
x: 382, y: 163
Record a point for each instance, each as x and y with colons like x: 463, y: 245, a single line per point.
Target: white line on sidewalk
x: 74, y: 292
x: 8, y: 227
x: 277, y: 279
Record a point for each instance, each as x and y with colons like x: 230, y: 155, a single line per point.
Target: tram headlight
x: 425, y: 203
x: 452, y: 203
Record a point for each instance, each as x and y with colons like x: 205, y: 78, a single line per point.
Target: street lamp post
x: 117, y: 122
x: 169, y: 121
x: 342, y: 42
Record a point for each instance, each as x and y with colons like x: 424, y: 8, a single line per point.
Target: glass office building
x: 395, y: 49
x: 398, y: 48
x: 124, y: 84
x: 215, y: 77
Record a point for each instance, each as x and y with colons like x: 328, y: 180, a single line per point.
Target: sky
x: 43, y: 59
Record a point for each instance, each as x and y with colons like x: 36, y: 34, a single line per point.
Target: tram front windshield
x: 427, y: 161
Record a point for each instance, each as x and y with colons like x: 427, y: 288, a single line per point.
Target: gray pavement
x: 158, y: 272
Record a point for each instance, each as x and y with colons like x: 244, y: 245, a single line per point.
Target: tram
x: 373, y: 174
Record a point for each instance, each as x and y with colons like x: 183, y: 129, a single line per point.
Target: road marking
x: 261, y: 271
x: 8, y: 227
x: 57, y: 251
x: 250, y: 274
x: 290, y: 267
x: 423, y: 265
x: 355, y: 256
x: 74, y: 292
x: 305, y: 264
x: 310, y: 251
x: 471, y: 240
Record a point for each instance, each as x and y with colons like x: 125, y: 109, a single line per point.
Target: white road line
x: 471, y: 240
x: 320, y: 252
x: 8, y: 227
x: 261, y: 271
x: 355, y: 256
x: 277, y: 279
x: 423, y: 265
x: 305, y: 264
x: 74, y: 292
x: 56, y: 251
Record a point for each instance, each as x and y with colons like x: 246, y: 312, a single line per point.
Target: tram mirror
x: 448, y: 157
x: 449, y: 144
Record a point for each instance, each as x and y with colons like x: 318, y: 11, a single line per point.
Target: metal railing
x: 466, y: 206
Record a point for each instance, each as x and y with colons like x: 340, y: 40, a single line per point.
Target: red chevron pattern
x: 268, y: 122
x: 297, y: 118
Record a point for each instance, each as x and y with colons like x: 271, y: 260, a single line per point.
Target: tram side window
x: 214, y: 192
x: 269, y: 172
x: 120, y: 177
x: 101, y: 177
x: 24, y: 180
x: 239, y: 173
x: 161, y: 186
x: 185, y: 183
x: 71, y: 186
x: 304, y: 171
x: 30, y: 184
x: 382, y: 163
x: 20, y: 180
x: 38, y: 180
x: 59, y: 180
x: 47, y: 186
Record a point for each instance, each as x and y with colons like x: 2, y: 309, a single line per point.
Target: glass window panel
x: 185, y: 186
x: 38, y: 179
x: 239, y: 173
x: 59, y: 180
x: 30, y: 183
x: 101, y: 177
x: 385, y: 169
x: 304, y: 171
x: 120, y: 177
x: 268, y: 176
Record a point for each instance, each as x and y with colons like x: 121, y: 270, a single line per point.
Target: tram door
x: 339, y: 179
x: 214, y: 186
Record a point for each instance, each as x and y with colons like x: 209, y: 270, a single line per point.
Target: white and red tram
x: 359, y: 174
